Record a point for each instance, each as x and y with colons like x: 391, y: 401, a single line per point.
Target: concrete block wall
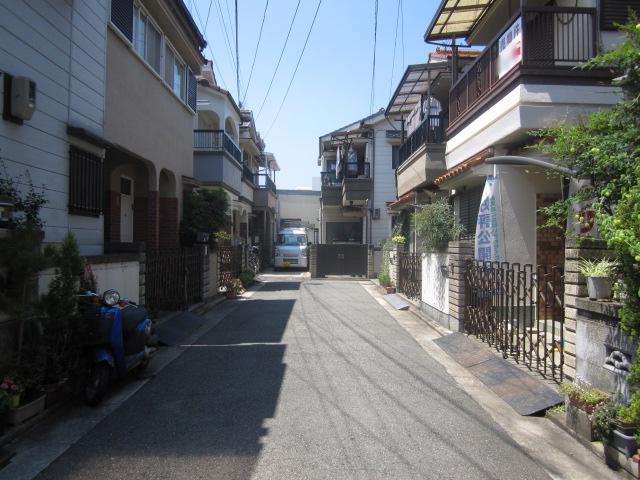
x: 460, y: 252
x: 313, y: 261
x: 575, y: 286
x: 393, y: 265
x: 370, y: 263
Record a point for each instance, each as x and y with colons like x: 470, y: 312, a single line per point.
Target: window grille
x: 85, y: 183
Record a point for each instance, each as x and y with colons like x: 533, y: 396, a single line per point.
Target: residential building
x: 154, y: 51
x: 300, y: 208
x: 265, y: 206
x: 358, y: 181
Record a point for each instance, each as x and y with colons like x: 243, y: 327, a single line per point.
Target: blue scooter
x: 120, y: 339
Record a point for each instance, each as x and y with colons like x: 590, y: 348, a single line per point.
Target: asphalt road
x: 302, y: 380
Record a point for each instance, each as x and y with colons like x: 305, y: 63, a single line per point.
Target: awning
x: 414, y: 84
x: 464, y: 166
x: 456, y: 17
x: 404, y: 199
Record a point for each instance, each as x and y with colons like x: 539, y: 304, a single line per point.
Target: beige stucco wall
x: 304, y: 206
x: 158, y: 126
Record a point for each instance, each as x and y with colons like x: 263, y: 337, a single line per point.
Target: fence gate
x: 410, y: 274
x: 173, y: 278
x: 519, y: 310
x: 342, y: 259
x: 230, y: 261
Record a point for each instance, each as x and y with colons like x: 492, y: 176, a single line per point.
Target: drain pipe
x: 534, y: 162
x: 373, y: 183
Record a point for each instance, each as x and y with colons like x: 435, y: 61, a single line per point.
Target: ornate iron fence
x: 173, y: 278
x: 230, y: 260
x: 410, y: 274
x: 519, y: 310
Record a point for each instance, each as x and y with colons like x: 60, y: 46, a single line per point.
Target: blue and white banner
x: 489, y: 244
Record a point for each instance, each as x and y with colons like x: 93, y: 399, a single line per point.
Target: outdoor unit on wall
x: 376, y: 214
x: 19, y: 98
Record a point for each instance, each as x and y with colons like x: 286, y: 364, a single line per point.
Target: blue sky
x: 333, y: 84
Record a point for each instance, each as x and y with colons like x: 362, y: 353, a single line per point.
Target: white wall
x: 435, y: 285
x: 384, y: 184
x: 62, y: 48
x: 302, y: 204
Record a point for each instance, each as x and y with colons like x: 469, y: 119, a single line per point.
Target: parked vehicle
x: 120, y: 339
x: 292, y: 248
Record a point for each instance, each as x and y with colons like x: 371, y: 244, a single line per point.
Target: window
x: 122, y: 16
x: 174, y: 72
x: 154, y: 45
x: 468, y: 206
x: 616, y: 11
x: 395, y: 156
x: 139, y: 31
x: 85, y: 183
x: 168, y: 65
x: 147, y: 40
x: 292, y: 239
x: 178, y: 78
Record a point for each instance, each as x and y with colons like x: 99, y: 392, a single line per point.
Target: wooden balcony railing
x: 263, y: 180
x: 552, y: 38
x: 431, y: 130
x: 216, y: 140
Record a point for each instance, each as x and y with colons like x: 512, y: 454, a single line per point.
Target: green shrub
x: 630, y: 415
x: 246, y: 278
x: 583, y: 396
x: 384, y: 279
x: 596, y: 268
x: 604, y: 418
x: 435, y: 226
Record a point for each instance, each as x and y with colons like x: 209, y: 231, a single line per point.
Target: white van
x: 292, y: 248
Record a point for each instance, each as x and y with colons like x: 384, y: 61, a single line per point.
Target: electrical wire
x: 402, y: 28
x: 204, y: 33
x: 373, y: 72
x: 255, y: 54
x: 206, y: 22
x: 279, y: 59
x: 296, y: 69
x: 222, y: 21
x: 395, y: 40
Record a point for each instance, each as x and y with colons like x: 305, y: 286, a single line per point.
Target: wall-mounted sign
x: 489, y: 245
x: 510, y: 48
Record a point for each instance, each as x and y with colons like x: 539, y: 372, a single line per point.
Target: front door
x: 126, y: 209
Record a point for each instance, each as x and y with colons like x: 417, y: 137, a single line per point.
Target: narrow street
x: 302, y: 380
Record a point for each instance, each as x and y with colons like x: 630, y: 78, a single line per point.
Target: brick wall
x: 153, y: 220
x: 168, y: 218
x: 549, y: 241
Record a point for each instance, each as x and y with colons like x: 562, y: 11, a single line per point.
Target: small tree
x: 435, y: 226
x: 205, y: 210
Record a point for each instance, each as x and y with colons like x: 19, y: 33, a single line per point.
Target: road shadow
x: 204, y: 413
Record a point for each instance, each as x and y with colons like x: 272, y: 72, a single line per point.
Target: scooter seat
x: 132, y: 317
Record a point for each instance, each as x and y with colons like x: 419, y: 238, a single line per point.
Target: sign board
x: 510, y: 48
x: 489, y: 243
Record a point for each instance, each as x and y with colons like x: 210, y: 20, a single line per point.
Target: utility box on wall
x: 19, y: 98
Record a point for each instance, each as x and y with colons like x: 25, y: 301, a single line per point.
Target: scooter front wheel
x: 97, y: 383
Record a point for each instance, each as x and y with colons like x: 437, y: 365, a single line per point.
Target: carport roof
x: 456, y: 17
x: 413, y: 85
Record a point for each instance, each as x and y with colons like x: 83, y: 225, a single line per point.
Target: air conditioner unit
x: 376, y: 214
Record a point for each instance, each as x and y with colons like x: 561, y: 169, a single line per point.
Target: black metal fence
x: 410, y: 274
x: 173, y: 278
x: 519, y: 310
x: 431, y: 130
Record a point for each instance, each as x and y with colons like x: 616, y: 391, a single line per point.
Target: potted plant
x: 23, y: 404
x: 626, y: 427
x: 581, y: 401
x: 11, y: 391
x: 234, y: 288
x: 385, y: 282
x: 598, y: 274
x: 247, y: 278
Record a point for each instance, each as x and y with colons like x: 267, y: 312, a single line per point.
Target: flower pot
x: 18, y: 415
x: 14, y: 400
x: 599, y: 288
x: 624, y: 443
x: 390, y: 289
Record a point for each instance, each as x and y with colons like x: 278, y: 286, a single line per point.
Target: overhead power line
x: 255, y: 54
x: 296, y: 69
x: 279, y: 59
x: 395, y: 41
x: 237, y: 57
x: 204, y: 33
x: 373, y: 72
x: 402, y: 28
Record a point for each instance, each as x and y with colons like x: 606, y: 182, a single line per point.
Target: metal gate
x: 342, y: 259
x: 230, y: 261
x: 173, y: 278
x: 410, y: 274
x: 519, y: 310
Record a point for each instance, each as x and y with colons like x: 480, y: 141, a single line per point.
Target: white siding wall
x: 384, y: 185
x: 62, y: 48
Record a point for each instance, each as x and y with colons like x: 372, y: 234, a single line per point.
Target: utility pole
x: 237, y: 58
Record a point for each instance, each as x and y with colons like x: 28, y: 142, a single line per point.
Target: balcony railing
x: 264, y: 181
x: 329, y: 179
x: 216, y: 140
x: 551, y: 38
x: 248, y: 174
x: 356, y: 170
x: 431, y: 130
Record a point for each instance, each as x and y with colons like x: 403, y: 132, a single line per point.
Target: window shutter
x: 469, y: 206
x: 192, y: 91
x: 122, y: 16
x: 616, y: 11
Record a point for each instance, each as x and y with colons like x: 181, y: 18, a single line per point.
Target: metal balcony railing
x: 431, y: 130
x: 216, y: 140
x: 329, y: 179
x: 356, y: 170
x: 552, y: 38
x: 264, y: 181
x: 248, y: 174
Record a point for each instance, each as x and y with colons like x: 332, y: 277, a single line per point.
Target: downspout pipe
x: 534, y: 162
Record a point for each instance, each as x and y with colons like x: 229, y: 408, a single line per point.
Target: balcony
x: 248, y: 175
x: 356, y: 184
x: 431, y: 130
x: 265, y: 193
x: 216, y: 141
x: 538, y: 41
